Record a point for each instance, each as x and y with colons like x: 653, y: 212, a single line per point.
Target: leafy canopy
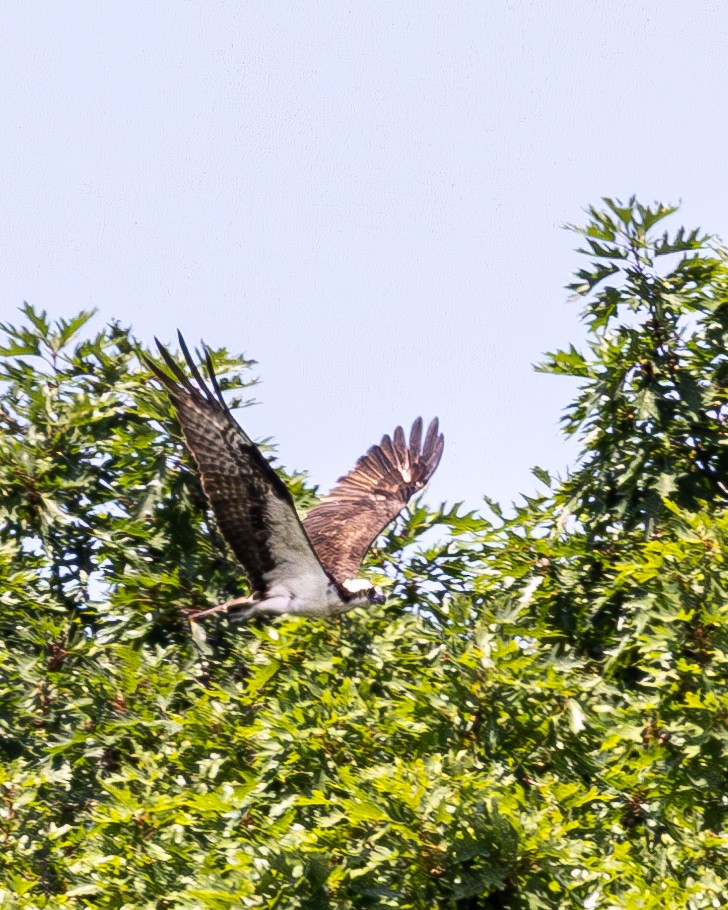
x: 538, y: 718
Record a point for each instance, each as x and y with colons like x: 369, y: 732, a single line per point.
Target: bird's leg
x: 235, y: 602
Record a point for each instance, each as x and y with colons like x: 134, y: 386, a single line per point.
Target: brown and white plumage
x: 369, y: 497
x: 307, y: 568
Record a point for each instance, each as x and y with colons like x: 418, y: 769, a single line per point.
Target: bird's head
x: 363, y: 592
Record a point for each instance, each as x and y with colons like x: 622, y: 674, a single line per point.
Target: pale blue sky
x: 367, y: 198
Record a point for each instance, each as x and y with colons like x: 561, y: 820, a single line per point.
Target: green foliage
x: 538, y: 718
x: 652, y: 410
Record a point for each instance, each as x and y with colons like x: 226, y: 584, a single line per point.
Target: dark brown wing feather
x: 364, y: 501
x: 252, y: 505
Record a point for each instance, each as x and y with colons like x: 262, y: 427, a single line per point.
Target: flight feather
x: 308, y: 568
x: 253, y: 507
x: 364, y: 501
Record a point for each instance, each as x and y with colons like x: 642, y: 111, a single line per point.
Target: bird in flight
x: 307, y: 567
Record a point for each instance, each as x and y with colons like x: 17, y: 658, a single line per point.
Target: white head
x: 363, y: 591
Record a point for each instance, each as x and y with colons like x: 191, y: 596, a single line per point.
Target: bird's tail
x: 241, y: 613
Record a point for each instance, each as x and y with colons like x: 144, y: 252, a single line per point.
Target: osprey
x: 308, y: 567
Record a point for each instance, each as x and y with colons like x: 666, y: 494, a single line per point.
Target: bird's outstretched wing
x: 252, y: 505
x: 364, y: 501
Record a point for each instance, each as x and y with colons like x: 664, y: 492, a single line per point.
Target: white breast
x: 306, y: 595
